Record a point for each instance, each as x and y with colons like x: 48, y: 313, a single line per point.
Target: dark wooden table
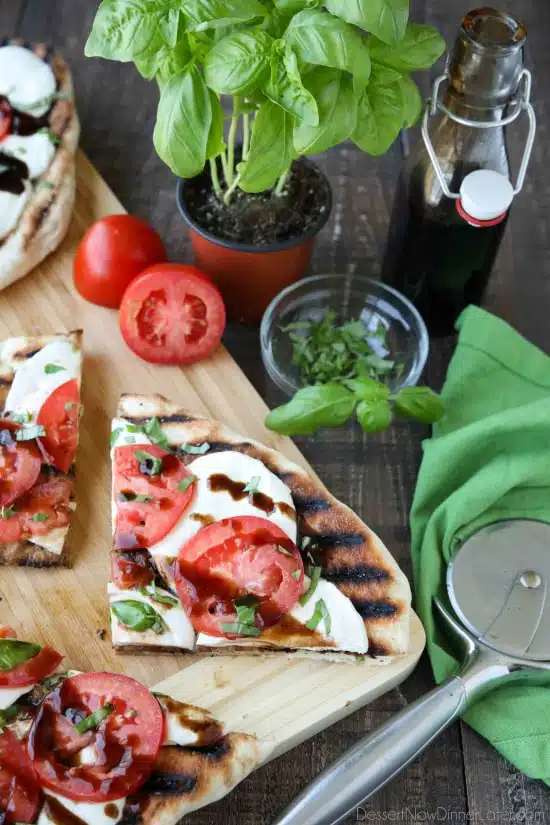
x: 460, y: 778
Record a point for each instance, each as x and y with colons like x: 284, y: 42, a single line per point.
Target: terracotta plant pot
x: 250, y: 276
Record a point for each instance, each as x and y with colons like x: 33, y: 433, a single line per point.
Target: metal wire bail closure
x: 520, y: 104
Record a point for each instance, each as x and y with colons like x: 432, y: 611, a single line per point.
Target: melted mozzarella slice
x: 26, y: 80
x: 188, y: 725
x: 347, y: 629
x: 93, y: 813
x: 34, y: 381
x: 180, y: 632
x: 37, y: 151
x: 10, y: 695
x: 216, y: 501
x: 11, y: 207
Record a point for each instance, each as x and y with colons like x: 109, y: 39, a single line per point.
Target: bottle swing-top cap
x: 485, y: 197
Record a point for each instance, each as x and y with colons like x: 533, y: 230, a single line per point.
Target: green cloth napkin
x: 488, y: 459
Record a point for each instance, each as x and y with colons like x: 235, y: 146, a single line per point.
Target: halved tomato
x: 172, y: 314
x: 27, y: 673
x: 235, y: 558
x: 20, y: 463
x: 19, y: 790
x: 149, y: 503
x: 6, y: 117
x: 37, y: 512
x: 127, y: 740
x: 127, y: 573
x: 59, y: 417
x: 7, y: 632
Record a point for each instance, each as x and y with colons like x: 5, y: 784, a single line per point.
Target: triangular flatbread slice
x: 39, y: 395
x: 361, y: 602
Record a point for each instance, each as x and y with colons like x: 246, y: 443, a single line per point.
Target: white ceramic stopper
x: 486, y: 194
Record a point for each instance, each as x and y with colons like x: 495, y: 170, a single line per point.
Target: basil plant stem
x: 281, y: 182
x: 215, y: 178
x: 231, y: 145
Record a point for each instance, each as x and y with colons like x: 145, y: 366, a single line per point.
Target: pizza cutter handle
x: 341, y: 788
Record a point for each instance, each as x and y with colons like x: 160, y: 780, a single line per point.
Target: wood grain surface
x: 460, y: 778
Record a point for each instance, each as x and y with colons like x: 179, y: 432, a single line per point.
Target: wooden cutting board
x: 287, y: 700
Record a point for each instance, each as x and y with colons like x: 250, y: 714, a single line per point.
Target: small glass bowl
x: 352, y: 297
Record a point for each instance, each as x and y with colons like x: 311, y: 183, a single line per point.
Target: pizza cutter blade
x: 498, y: 585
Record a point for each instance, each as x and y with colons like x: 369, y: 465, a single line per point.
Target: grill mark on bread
x: 328, y: 540
x: 375, y: 608
x: 170, y: 784
x: 360, y: 573
x: 310, y: 504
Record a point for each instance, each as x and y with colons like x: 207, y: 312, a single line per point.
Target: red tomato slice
x: 40, y: 510
x: 20, y: 463
x: 127, y: 742
x: 233, y: 558
x: 172, y: 314
x: 127, y: 573
x: 33, y: 670
x: 112, y: 252
x: 59, y: 417
x: 19, y: 790
x: 6, y: 117
x: 143, y: 523
x: 7, y: 632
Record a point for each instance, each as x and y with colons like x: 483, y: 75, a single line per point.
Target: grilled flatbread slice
x: 37, y: 156
x: 192, y: 759
x: 361, y: 588
x: 39, y: 395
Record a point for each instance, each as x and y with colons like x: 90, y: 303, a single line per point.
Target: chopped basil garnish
x: 94, y: 719
x: 314, y: 574
x: 149, y: 464
x: 21, y: 418
x: 7, y: 714
x: 46, y: 184
x: 115, y: 434
x: 21, y: 150
x: 49, y: 369
x: 320, y: 614
x: 296, y: 574
x: 186, y: 482
x: 195, y: 449
x: 132, y: 713
x: 7, y: 512
x: 129, y: 496
x: 138, y: 616
x: 69, y: 405
x: 40, y: 517
x: 153, y: 429
x: 53, y: 681
x: 241, y: 629
x: 51, y: 137
x: 283, y: 550
x: 253, y: 484
x: 153, y: 593
x: 13, y: 653
x: 28, y: 433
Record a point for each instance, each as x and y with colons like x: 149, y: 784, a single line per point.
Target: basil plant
x: 303, y: 75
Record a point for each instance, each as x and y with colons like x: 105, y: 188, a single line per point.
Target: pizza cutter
x: 497, y: 586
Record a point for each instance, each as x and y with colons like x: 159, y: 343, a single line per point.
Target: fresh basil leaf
x: 216, y: 143
x: 337, y: 108
x: 368, y: 389
x: 418, y: 49
x: 195, y: 449
x: 165, y: 61
x: 320, y: 38
x: 239, y: 63
x: 320, y: 614
x: 283, y: 550
x: 153, y: 429
x: 149, y: 464
x: 314, y: 574
x: 271, y: 149
x: 325, y: 405
x: 238, y: 629
x: 94, y: 719
x: 374, y: 415
x: 50, y: 369
x: 297, y: 574
x: 253, y: 485
x: 246, y: 610
x: 138, y: 616
x: 387, y: 19
x: 286, y: 88
x: 185, y: 483
x: 133, y: 29
x: 383, y: 75
x: 28, y: 433
x: 420, y: 403
x: 380, y: 118
x: 184, y: 117
x: 290, y: 7
x: 40, y: 517
x: 412, y: 101
x: 152, y: 592
x: 14, y: 653
x: 7, y: 512
x: 115, y: 435
x: 206, y: 14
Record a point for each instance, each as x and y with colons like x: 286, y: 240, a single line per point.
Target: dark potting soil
x: 263, y: 219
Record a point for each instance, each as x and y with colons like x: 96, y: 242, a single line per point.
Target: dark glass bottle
x: 439, y: 260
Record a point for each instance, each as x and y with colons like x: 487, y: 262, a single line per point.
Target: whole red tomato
x: 112, y: 252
